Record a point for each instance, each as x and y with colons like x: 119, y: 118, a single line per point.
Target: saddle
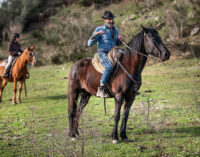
x: 113, y: 55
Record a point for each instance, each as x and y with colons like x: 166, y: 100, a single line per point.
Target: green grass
x: 39, y: 125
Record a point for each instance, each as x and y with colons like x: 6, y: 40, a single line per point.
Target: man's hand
x: 19, y: 53
x: 100, y: 32
x: 120, y: 37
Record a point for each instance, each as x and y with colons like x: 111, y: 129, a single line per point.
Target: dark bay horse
x: 19, y: 71
x: 84, y: 81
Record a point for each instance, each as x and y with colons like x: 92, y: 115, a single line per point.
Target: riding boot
x: 103, y: 92
x: 6, y: 72
x: 5, y: 75
x: 7, y: 67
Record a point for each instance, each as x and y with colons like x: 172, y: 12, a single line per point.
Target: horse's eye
x: 150, y: 35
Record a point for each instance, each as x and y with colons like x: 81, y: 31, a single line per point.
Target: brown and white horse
x: 84, y: 80
x: 19, y: 72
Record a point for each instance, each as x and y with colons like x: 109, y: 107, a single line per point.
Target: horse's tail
x: 74, y: 90
x: 73, y: 93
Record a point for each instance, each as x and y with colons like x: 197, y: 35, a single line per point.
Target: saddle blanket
x: 3, y: 63
x: 113, y: 55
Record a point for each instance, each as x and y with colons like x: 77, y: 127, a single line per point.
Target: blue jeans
x: 108, y: 67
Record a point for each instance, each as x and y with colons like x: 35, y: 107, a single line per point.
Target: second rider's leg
x: 7, y: 67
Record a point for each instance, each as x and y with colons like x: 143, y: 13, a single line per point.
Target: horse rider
x: 106, y: 37
x: 14, y: 50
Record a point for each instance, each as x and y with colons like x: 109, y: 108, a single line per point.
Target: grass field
x: 164, y: 119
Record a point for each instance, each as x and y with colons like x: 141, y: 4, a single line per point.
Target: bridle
x: 134, y: 51
x: 147, y: 56
x: 29, y: 56
x: 124, y: 69
x: 155, y: 45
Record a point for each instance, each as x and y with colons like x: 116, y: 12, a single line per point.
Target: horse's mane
x: 135, y: 43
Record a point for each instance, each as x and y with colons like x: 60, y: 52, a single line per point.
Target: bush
x: 69, y: 33
x: 38, y: 33
x: 86, y: 2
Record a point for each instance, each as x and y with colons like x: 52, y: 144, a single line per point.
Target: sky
x: 1, y: 2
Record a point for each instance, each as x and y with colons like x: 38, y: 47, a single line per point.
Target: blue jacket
x: 104, y: 41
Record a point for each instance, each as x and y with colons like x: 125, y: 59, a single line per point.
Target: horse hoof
x: 73, y: 139
x: 115, y: 141
x: 14, y: 103
x: 19, y: 102
x: 126, y: 140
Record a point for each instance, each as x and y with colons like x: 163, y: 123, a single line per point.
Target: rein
x: 132, y: 49
x: 127, y: 73
x: 124, y: 69
x: 26, y: 63
x: 154, y: 58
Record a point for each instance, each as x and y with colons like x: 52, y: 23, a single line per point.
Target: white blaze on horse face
x: 34, y: 58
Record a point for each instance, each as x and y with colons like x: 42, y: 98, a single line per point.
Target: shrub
x: 86, y: 2
x: 69, y: 33
x: 52, y: 38
x: 38, y: 33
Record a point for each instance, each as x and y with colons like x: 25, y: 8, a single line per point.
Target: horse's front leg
x: 19, y: 92
x: 14, y: 91
x: 118, y: 103
x: 127, y: 106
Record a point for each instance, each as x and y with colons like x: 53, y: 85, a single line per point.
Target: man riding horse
x: 106, y: 37
x: 15, y: 51
x: 84, y: 79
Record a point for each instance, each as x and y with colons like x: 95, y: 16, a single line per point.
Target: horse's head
x: 30, y: 55
x: 154, y: 45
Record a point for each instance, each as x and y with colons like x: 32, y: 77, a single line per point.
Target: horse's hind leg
x: 2, y: 86
x: 85, y: 96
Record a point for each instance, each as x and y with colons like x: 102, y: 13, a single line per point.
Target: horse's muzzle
x: 165, y: 56
x: 33, y: 62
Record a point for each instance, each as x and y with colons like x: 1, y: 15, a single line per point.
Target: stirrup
x: 102, y: 92
x: 27, y: 76
x: 5, y: 75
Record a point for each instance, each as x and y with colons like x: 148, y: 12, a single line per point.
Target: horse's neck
x: 142, y: 62
x: 134, y: 63
x: 21, y: 62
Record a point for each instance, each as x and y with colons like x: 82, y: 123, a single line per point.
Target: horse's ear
x: 32, y: 47
x: 29, y: 48
x: 144, y: 29
x: 151, y: 26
